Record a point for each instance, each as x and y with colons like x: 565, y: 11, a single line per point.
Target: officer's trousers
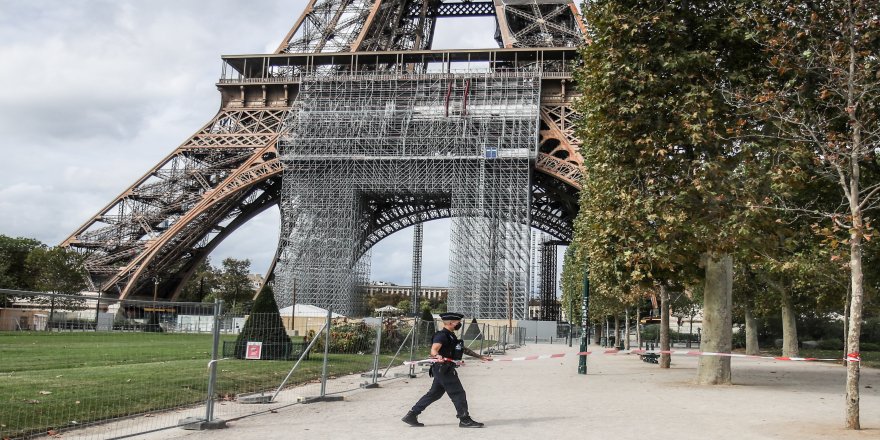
x: 445, y: 380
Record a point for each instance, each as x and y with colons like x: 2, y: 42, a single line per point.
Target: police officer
x: 446, y: 348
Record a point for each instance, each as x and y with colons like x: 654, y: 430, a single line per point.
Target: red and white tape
x: 530, y: 358
x: 430, y: 361
x: 851, y: 357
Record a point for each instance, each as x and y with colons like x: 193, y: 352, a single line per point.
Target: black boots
x: 412, y: 419
x: 468, y: 422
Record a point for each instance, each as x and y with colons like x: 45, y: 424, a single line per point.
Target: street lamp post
x: 154, y: 318
x: 570, y: 319
x: 585, y: 307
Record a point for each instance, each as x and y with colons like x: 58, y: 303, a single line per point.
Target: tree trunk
x: 751, y: 332
x: 638, y: 327
x: 846, y: 322
x: 597, y: 335
x: 626, y: 329
x: 717, y: 321
x: 665, y: 358
x: 855, y: 327
x: 789, y: 325
x: 616, y: 331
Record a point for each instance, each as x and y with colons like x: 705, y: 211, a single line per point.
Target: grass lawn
x: 56, y: 380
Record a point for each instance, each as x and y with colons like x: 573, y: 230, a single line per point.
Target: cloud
x: 99, y: 91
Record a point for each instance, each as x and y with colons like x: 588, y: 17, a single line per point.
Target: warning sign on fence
x: 254, y: 350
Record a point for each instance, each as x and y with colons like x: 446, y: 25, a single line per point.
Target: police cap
x: 451, y: 316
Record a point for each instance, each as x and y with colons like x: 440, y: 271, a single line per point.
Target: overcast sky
x: 96, y: 92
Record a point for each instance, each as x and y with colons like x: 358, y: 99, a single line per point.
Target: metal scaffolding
x: 358, y: 139
x: 418, y: 238
x: 173, y: 216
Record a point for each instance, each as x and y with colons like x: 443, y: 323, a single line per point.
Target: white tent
x: 305, y: 310
x: 388, y: 309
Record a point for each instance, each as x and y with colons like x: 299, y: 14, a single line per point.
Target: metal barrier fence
x: 92, y: 367
x: 565, y: 334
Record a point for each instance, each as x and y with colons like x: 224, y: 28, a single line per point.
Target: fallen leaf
x: 76, y: 403
x: 45, y: 393
x: 52, y: 432
x: 32, y: 401
x: 148, y: 415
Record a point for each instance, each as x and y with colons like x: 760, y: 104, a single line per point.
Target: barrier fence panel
x: 499, y: 338
x: 71, y: 361
x: 415, y: 346
x: 89, y: 367
x: 255, y: 371
x: 351, y: 353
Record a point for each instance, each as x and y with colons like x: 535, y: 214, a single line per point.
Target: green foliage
x: 201, y: 284
x: 572, y: 281
x: 426, y: 315
x: 870, y: 346
x: 821, y: 97
x: 347, y: 338
x: 830, y: 344
x: 383, y: 299
x: 13, y: 256
x: 264, y: 325
x: 234, y: 286
x: 665, y: 181
x: 56, y: 270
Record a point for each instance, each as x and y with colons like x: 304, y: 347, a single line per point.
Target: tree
x: 201, y: 284
x: 383, y: 299
x: 572, y: 281
x: 233, y: 284
x: 13, y: 257
x: 56, y: 270
x: 426, y: 315
x: 822, y: 97
x: 264, y: 325
x: 666, y: 181
x: 426, y: 331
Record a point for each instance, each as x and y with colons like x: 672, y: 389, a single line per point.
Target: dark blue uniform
x: 445, y: 377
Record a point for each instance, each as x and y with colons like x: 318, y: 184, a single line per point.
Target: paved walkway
x: 620, y: 398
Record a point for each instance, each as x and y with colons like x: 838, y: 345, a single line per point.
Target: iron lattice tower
x: 366, y: 64
x: 547, y: 284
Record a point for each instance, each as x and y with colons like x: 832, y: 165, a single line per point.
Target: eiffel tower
x: 353, y: 82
